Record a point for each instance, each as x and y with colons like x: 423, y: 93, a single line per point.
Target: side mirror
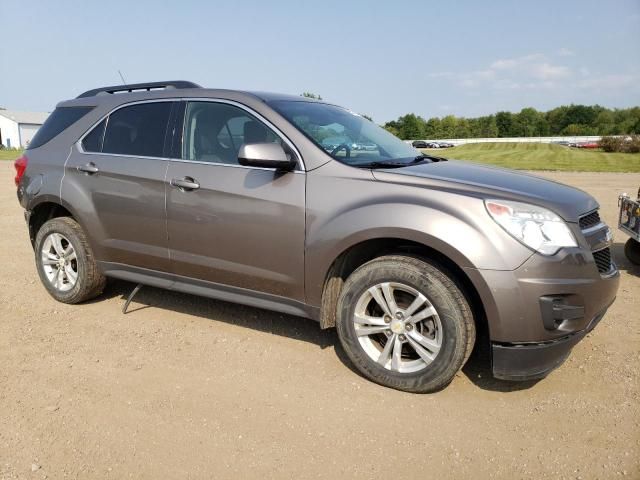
x: 266, y: 155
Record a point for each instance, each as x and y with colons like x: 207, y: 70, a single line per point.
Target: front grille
x: 598, y: 234
x: 603, y: 259
x: 589, y: 220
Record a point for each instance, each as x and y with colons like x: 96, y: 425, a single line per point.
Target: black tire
x: 440, y: 288
x: 632, y: 251
x: 90, y: 282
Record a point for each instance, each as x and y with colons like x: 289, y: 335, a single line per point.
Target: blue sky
x: 380, y: 58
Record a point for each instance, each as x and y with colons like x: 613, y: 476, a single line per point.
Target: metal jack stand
x: 130, y: 297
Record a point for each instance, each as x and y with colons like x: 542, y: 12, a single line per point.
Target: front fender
x: 357, y: 210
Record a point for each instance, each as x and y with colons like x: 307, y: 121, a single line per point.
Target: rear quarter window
x: 61, y: 119
x: 93, y: 141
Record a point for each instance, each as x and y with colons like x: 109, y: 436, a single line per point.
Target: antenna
x: 122, y: 77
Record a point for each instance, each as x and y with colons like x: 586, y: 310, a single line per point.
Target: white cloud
x: 440, y: 74
x: 610, y: 82
x: 515, y: 63
x: 485, y: 74
x: 546, y: 71
x: 537, y: 72
x: 507, y: 84
x: 467, y: 82
x: 528, y: 71
x: 504, y: 64
x: 565, y: 52
x: 547, y: 85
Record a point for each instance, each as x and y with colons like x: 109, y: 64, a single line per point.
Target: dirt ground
x: 186, y: 387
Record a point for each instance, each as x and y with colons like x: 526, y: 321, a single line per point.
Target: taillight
x: 21, y: 165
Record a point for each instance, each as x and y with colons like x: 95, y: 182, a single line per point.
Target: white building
x: 18, y: 128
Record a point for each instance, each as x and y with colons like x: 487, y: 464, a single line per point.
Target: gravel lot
x: 186, y: 387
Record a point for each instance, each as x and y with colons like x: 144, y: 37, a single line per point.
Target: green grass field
x: 542, y: 156
x: 9, y: 154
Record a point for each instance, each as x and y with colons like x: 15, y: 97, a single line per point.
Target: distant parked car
x: 588, y: 145
x: 425, y: 144
x: 445, y: 144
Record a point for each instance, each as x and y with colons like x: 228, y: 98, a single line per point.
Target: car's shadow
x: 275, y: 323
x: 477, y: 369
x: 623, y: 263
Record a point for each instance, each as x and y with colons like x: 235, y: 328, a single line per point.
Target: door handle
x: 89, y: 168
x: 186, y: 184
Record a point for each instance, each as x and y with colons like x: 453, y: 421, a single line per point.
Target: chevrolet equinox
x: 269, y: 200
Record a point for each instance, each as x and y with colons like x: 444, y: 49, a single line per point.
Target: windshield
x: 346, y: 136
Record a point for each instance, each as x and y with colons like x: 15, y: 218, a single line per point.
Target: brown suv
x: 304, y: 207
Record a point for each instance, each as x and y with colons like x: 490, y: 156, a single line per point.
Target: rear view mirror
x: 266, y: 155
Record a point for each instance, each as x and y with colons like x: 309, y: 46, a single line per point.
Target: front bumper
x: 539, y: 311
x: 532, y: 361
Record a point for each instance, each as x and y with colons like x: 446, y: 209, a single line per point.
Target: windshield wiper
x: 390, y: 164
x: 380, y: 164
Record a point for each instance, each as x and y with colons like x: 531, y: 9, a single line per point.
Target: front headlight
x: 536, y: 227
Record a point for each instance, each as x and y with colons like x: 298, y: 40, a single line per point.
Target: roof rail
x: 139, y: 86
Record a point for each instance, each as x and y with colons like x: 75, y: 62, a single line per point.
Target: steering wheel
x: 342, y: 146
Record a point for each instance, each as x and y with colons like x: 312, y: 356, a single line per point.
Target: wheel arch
x: 359, y: 253
x: 46, y: 208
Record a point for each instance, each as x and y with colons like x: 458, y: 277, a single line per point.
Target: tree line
x: 565, y: 120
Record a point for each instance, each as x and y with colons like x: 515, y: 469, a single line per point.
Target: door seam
x: 166, y: 214
x: 64, y: 173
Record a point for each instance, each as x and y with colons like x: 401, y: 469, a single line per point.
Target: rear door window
x: 138, y: 130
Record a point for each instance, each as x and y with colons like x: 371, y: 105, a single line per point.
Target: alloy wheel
x: 59, y: 262
x: 398, y: 327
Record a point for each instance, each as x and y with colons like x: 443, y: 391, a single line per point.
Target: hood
x: 492, y: 182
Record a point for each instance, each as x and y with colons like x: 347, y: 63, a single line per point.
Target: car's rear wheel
x: 405, y: 324
x: 632, y: 251
x: 65, y: 262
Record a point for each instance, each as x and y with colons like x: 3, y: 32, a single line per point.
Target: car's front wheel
x: 65, y: 262
x: 405, y: 324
